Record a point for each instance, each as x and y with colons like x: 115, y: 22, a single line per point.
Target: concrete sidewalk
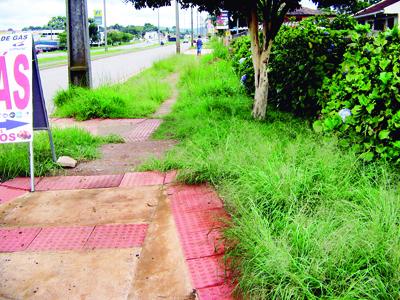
x: 131, y: 236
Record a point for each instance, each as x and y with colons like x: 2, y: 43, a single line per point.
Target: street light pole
x: 191, y: 23
x: 178, y: 42
x: 105, y: 26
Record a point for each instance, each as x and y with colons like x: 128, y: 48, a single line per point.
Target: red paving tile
x: 61, y: 238
x: 220, y: 292
x: 142, y: 179
x: 196, y: 202
x: 206, y: 272
x: 16, y: 239
x: 197, y: 212
x: 202, y: 244
x: 189, y: 222
x: 78, y: 182
x: 143, y: 130
x: 117, y: 236
x: 22, y: 183
x: 8, y: 194
x: 190, y: 190
x: 170, y: 177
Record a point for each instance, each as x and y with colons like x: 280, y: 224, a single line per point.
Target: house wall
x: 393, y: 9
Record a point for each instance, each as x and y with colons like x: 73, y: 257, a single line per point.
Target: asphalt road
x: 107, y: 70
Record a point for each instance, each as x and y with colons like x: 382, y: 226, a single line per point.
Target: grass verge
x: 309, y: 221
x: 138, y: 97
x: 73, y: 142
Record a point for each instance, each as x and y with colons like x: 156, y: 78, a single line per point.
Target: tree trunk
x: 261, y: 84
x: 260, y: 55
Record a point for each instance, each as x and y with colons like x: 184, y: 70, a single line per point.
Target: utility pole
x: 79, y: 68
x: 178, y: 42
x: 198, y: 31
x: 158, y: 30
x: 191, y: 23
x: 105, y: 26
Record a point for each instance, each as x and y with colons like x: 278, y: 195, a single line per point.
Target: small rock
x: 67, y: 162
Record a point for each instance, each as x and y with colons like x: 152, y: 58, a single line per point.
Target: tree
x: 149, y: 27
x: 93, y: 31
x: 269, y: 13
x: 346, y: 6
x: 58, y: 22
x: 62, y: 38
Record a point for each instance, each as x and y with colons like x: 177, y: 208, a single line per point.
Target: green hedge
x: 367, y: 84
x: 301, y: 58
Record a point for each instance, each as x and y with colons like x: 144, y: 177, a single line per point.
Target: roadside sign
x: 98, y: 17
x: 16, y: 115
x: 223, y: 20
x: 22, y: 105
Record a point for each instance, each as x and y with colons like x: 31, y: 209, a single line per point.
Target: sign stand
x: 40, y: 117
x: 32, y: 167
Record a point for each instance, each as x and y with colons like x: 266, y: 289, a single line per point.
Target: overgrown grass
x: 73, y: 142
x: 309, y: 221
x: 138, y: 97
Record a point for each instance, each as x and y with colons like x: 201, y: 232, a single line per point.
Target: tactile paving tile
x: 79, y: 182
x: 143, y: 130
x: 17, y: 239
x: 61, y: 238
x: 184, y: 202
x: 202, y: 244
x: 206, y: 272
x: 189, y: 190
x: 170, y: 177
x: 117, y: 236
x: 22, y: 183
x: 220, y: 292
x: 7, y: 194
x: 189, y: 222
x: 142, y: 179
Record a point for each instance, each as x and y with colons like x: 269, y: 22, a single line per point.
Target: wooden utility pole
x: 191, y: 23
x: 79, y: 68
x: 178, y: 39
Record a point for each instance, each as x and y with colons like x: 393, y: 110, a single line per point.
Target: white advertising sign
x: 16, y: 120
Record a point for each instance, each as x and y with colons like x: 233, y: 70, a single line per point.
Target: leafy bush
x: 368, y: 84
x: 301, y: 58
x: 242, y: 62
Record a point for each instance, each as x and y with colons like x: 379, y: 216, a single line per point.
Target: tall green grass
x: 309, y: 221
x: 140, y: 96
x: 74, y: 142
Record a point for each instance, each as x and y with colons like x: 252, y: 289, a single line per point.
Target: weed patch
x: 309, y: 220
x: 77, y: 143
x: 138, y: 97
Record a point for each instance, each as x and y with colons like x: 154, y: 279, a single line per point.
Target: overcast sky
x: 17, y: 14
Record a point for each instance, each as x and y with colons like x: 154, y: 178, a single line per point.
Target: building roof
x: 375, y: 8
x: 305, y: 11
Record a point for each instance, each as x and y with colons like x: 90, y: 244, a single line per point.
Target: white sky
x: 17, y: 14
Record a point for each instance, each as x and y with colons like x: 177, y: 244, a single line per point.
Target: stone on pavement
x: 67, y: 162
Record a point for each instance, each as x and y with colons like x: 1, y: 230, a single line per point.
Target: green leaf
x: 384, y: 134
x: 367, y: 156
x: 385, y: 77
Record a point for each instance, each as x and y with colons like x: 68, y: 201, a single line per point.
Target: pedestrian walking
x: 199, y: 44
